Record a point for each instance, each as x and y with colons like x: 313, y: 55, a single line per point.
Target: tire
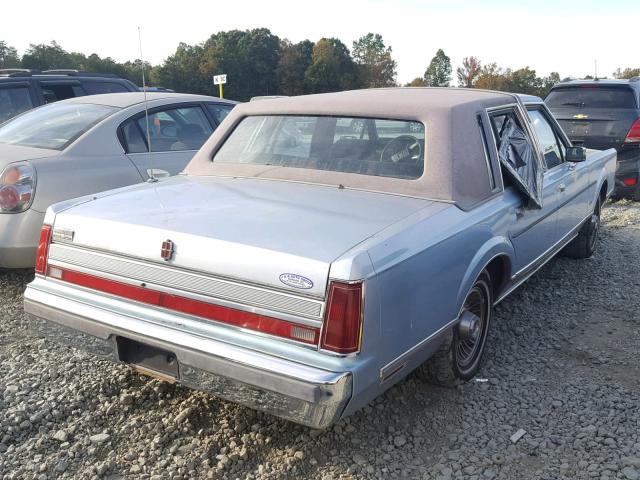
x: 585, y: 243
x: 460, y: 356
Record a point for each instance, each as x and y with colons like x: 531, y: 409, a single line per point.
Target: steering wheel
x: 401, y: 149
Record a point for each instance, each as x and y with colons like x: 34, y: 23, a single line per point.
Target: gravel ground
x: 562, y: 366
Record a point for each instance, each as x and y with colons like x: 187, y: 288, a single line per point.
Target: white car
x: 90, y: 144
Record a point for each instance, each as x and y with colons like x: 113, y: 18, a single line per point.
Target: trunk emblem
x: 296, y: 281
x: 580, y: 116
x: 167, y: 250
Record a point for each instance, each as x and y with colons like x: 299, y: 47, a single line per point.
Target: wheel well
x: 499, y: 270
x: 603, y: 192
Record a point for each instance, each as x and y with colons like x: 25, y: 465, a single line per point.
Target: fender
x: 495, y: 247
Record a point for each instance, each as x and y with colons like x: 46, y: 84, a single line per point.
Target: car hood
x: 250, y: 229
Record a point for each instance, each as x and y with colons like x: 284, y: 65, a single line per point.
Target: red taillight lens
x: 343, y: 320
x: 17, y: 183
x: 634, y: 133
x: 630, y: 182
x: 43, y: 249
x: 9, y: 198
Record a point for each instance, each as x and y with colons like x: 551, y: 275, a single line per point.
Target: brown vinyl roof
x: 455, y: 164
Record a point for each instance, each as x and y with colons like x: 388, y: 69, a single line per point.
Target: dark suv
x: 603, y: 114
x: 21, y: 90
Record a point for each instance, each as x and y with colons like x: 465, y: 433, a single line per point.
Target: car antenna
x: 152, y: 178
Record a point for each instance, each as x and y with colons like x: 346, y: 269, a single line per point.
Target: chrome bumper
x: 291, y: 390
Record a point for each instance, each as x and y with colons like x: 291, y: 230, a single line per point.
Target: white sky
x: 546, y: 35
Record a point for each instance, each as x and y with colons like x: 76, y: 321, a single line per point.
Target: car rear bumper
x: 291, y: 390
x: 627, y: 172
x: 19, y: 234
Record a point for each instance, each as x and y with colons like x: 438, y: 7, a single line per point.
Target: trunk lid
x: 251, y: 230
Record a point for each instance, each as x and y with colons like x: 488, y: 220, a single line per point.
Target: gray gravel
x: 561, y: 399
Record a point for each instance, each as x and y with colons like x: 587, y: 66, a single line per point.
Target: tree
x: 47, y: 57
x: 469, y: 72
x: 294, y: 61
x: 438, y: 74
x: 332, y: 68
x: 180, y: 71
x: 491, y: 77
x: 377, y: 68
x: 627, y: 73
x: 548, y: 82
x: 8, y: 56
x: 416, y: 82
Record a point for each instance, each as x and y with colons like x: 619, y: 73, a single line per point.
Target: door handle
x: 562, y: 187
x: 571, y: 166
x: 519, y: 212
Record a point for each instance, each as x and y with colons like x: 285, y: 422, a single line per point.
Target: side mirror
x: 576, y: 154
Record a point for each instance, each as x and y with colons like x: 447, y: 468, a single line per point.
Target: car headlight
x: 17, y: 186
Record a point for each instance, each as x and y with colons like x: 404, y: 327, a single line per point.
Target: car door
x: 175, y: 132
x: 572, y: 178
x: 534, y: 230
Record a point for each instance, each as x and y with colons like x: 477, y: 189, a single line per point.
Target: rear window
x: 14, y: 100
x: 591, y: 96
x: 366, y: 146
x: 53, y: 126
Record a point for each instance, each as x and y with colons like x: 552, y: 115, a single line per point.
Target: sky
x: 562, y: 36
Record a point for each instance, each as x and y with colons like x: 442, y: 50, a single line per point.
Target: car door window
x: 517, y: 154
x: 94, y: 88
x: 219, y: 111
x: 552, y: 148
x: 176, y: 129
x: 52, y: 92
x: 14, y: 100
x: 134, y: 141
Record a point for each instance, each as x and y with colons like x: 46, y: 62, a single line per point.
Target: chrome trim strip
x: 549, y: 254
x: 396, y: 365
x: 183, y: 293
x: 183, y: 281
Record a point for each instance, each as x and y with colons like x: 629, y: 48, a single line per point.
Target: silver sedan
x: 90, y: 144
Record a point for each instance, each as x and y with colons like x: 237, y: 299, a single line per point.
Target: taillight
x: 630, y: 182
x: 43, y: 249
x: 634, y: 133
x: 342, y: 330
x: 17, y: 184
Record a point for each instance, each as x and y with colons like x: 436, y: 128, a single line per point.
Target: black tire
x: 585, y: 243
x: 460, y: 357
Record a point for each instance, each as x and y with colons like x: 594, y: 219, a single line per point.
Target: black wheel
x: 460, y: 355
x: 585, y: 243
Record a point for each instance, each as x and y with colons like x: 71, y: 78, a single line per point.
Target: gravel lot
x: 562, y: 365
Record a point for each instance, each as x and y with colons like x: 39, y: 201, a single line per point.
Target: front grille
x: 187, y: 281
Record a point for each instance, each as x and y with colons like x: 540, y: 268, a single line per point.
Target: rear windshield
x: 366, y: 146
x: 53, y: 126
x: 591, y: 96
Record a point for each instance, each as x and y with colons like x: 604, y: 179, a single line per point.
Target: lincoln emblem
x: 167, y: 250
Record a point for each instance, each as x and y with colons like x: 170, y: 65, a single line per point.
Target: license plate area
x: 149, y: 360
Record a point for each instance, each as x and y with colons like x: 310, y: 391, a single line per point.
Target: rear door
x: 15, y: 98
x: 599, y: 116
x: 176, y: 132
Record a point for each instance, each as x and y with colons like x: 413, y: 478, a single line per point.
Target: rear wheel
x: 584, y: 244
x: 460, y: 356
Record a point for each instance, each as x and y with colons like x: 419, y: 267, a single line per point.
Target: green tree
x: 8, y: 56
x: 438, y: 74
x: 524, y: 80
x: 491, y: 77
x: 547, y: 83
x: 294, y: 61
x: 469, y: 72
x: 377, y: 67
x: 249, y: 58
x: 416, y: 82
x: 47, y: 57
x: 627, y: 73
x: 332, y: 68
x: 180, y: 71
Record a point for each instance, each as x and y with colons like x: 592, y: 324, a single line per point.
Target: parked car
x: 603, y: 114
x: 304, y: 273
x: 22, y: 90
x: 90, y: 144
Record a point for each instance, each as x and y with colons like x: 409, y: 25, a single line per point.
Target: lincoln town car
x: 318, y: 249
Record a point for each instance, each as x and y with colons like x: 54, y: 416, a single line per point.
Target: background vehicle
x: 90, y: 144
x: 302, y: 270
x: 22, y: 90
x: 603, y: 114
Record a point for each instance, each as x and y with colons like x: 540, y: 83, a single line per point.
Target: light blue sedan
x: 318, y: 249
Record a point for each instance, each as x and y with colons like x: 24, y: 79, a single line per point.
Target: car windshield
x: 591, y: 96
x: 53, y: 126
x: 366, y: 146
